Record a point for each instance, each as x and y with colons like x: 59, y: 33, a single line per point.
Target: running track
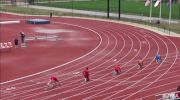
x: 98, y: 44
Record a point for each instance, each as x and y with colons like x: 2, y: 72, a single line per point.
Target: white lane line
x: 161, y: 74
x: 164, y: 85
x: 68, y: 24
x: 120, y: 85
x: 104, y: 56
x: 62, y: 64
x: 140, y: 86
x: 129, y: 65
x: 144, y: 76
x: 166, y: 91
x: 113, y: 78
x: 67, y: 84
x: 127, y: 73
x: 127, y: 78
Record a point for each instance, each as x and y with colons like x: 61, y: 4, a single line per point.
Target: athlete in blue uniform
x: 158, y: 58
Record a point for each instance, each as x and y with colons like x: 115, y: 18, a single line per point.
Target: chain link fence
x: 131, y: 10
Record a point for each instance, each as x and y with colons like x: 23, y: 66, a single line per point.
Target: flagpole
x: 169, y: 12
x: 160, y: 13
x: 150, y: 11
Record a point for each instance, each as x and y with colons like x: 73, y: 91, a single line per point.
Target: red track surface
x: 89, y: 43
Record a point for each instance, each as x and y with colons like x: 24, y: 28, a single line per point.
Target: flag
x: 157, y: 3
x: 168, y: 5
x: 147, y: 2
x: 169, y: 9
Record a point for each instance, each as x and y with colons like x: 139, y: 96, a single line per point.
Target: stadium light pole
x: 160, y: 11
x: 150, y: 10
x: 170, y: 1
x: 119, y: 9
x: 179, y: 10
x: 72, y: 7
x: 107, y: 8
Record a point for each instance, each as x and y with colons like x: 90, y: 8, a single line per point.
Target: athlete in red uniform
x: 117, y: 69
x: 140, y: 64
x: 54, y: 79
x: 86, y: 74
x: 53, y: 82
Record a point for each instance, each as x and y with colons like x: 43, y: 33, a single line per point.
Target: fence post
x: 119, y: 9
x: 107, y: 8
x: 179, y: 10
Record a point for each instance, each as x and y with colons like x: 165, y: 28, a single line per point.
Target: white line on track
x: 62, y: 64
x: 139, y: 86
x: 109, y: 80
x: 166, y: 91
x: 124, y: 80
x: 100, y: 75
x: 125, y: 94
x: 109, y: 52
x: 121, y: 95
x: 143, y: 77
x: 161, y: 74
x: 131, y: 85
x: 120, y: 63
x: 101, y: 39
x: 169, y: 83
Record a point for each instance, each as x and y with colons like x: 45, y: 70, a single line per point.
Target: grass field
x: 127, y: 6
x: 31, y: 11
